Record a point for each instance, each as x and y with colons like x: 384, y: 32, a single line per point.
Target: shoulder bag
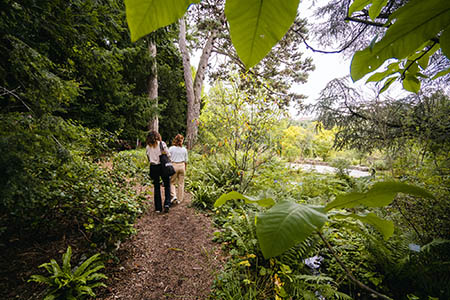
x: 166, y: 165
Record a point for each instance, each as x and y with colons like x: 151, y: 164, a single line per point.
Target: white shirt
x: 154, y: 153
x: 178, y: 154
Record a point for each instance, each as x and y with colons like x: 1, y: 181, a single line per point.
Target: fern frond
x: 85, y: 264
x: 40, y: 279
x: 317, y: 279
x: 66, y: 260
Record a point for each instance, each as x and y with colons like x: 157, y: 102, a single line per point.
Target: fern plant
x: 68, y: 283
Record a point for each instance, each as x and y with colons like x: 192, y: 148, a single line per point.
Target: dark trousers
x: 155, y: 175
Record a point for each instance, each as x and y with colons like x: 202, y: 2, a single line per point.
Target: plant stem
x: 349, y: 273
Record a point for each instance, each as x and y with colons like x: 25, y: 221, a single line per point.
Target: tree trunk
x: 193, y: 87
x: 153, y: 124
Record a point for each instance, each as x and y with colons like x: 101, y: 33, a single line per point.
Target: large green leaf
x: 386, y: 227
x: 391, y: 69
x: 445, y: 42
x: 357, y: 5
x: 411, y: 83
x: 381, y: 194
x: 265, y: 202
x: 415, y: 23
x: 286, y: 224
x: 256, y: 26
x: 376, y: 7
x: 145, y: 16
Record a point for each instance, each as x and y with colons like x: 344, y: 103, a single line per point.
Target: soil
x: 171, y: 257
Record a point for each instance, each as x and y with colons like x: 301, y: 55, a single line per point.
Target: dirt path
x: 171, y: 257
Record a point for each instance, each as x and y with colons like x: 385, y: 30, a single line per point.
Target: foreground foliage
x: 67, y: 283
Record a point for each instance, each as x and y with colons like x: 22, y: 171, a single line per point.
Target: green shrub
x: 65, y: 283
x: 50, y: 185
x: 208, y: 178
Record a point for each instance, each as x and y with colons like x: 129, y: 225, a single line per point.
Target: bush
x: 50, y: 184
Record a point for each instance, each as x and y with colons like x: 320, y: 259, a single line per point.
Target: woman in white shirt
x: 179, y: 158
x: 153, y: 152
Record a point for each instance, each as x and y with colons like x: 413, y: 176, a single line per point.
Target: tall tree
x: 278, y: 72
x: 153, y: 123
x: 194, y: 86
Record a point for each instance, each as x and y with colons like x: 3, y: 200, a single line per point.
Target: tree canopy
x: 416, y: 29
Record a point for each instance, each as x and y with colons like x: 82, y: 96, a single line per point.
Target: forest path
x: 171, y: 257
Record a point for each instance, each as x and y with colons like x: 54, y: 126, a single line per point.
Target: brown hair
x: 178, y: 140
x: 152, y: 138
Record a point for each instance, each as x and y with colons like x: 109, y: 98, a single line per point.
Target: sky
x: 328, y: 66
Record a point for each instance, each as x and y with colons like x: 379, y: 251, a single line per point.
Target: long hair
x: 152, y: 138
x: 178, y: 140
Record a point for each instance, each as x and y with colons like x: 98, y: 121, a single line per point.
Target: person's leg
x: 166, y: 180
x: 155, y: 175
x: 173, y: 181
x: 180, y: 190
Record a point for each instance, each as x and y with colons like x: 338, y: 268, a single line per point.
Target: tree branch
x: 418, y: 58
x: 334, y: 51
x: 370, y: 23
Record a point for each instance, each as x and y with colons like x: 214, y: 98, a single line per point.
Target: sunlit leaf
x: 66, y: 260
x: 388, y: 83
x: 424, y: 60
x: 358, y: 5
x: 392, y: 68
x: 385, y: 227
x: 376, y: 7
x: 381, y: 194
x: 264, y: 202
x: 444, y: 40
x: 286, y: 224
x: 415, y: 23
x: 256, y: 26
x: 144, y: 16
x: 411, y: 83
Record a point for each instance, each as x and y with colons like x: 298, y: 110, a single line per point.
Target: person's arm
x: 185, y: 159
x: 146, y: 154
x: 166, y: 150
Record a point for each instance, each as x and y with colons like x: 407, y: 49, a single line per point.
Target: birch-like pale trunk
x: 153, y: 124
x: 193, y: 86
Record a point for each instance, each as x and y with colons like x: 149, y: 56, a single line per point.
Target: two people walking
x: 178, y: 155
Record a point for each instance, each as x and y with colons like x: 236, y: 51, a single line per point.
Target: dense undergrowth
x: 63, y: 182
x: 393, y: 267
x: 66, y: 185
x: 56, y: 184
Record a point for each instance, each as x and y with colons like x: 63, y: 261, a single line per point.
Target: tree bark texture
x: 193, y: 86
x: 153, y: 124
